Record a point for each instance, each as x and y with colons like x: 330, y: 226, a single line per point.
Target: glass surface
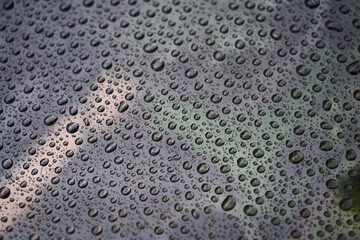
x: 179, y: 119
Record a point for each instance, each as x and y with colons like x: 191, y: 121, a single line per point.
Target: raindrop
x: 229, y: 203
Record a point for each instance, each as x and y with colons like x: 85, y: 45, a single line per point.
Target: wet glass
x: 180, y: 119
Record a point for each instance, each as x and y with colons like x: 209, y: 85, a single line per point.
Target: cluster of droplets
x: 175, y: 119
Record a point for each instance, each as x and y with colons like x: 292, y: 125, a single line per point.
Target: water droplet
x: 250, y: 210
x: 106, y: 64
x: 191, y: 73
x: 296, y: 157
x: 312, y: 3
x: 50, y: 120
x: 111, y: 147
x: 157, y: 64
x: 150, y: 48
x: 353, y: 68
x: 219, y: 55
x: 229, y: 203
x: 4, y: 192
x: 303, y: 70
x: 7, y: 163
x: 72, y: 127
x: 346, y: 204
x: 123, y: 107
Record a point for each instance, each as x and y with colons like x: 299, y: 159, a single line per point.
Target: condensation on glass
x: 179, y: 119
